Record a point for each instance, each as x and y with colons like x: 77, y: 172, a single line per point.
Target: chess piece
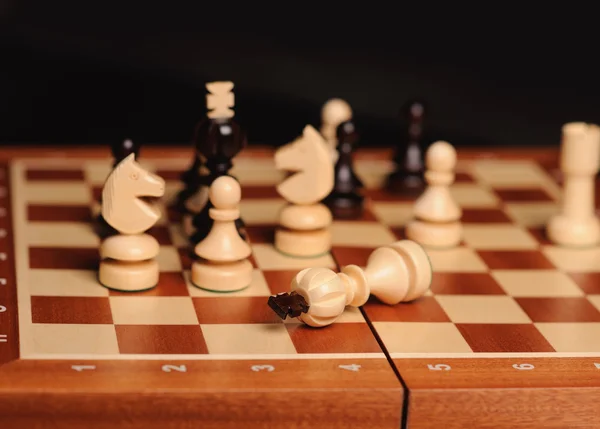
x: 128, y: 258
x: 437, y: 216
x: 577, y: 224
x: 407, y: 177
x: 399, y: 272
x: 345, y: 200
x: 218, y: 139
x: 223, y: 264
x: 333, y: 113
x: 304, y: 222
x: 120, y: 151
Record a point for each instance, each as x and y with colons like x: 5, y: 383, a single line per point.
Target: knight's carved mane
x: 110, y: 186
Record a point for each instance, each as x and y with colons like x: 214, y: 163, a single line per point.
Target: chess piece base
x: 570, y: 233
x: 435, y: 235
x: 128, y: 276
x: 303, y: 244
x: 222, y: 277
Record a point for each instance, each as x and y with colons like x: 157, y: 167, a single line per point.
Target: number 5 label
x: 439, y: 367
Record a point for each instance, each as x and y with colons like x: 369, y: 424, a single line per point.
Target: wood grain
x: 314, y: 393
x: 9, y: 337
x: 512, y: 392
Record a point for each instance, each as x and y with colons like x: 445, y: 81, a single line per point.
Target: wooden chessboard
x: 507, y: 337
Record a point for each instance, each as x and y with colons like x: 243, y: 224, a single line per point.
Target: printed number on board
x: 353, y: 367
x: 2, y: 281
x: 523, y: 366
x: 268, y: 368
x: 81, y: 368
x: 2, y: 309
x: 177, y: 368
x: 2, y: 256
x: 3, y: 338
x: 439, y: 367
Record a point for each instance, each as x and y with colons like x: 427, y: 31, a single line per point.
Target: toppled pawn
x: 437, y: 215
x: 223, y: 264
x: 399, y: 272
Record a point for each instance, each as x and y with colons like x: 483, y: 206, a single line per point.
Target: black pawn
x: 218, y: 141
x: 119, y: 151
x: 345, y: 200
x: 408, y: 176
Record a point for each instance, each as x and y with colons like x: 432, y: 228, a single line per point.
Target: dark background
x: 78, y: 73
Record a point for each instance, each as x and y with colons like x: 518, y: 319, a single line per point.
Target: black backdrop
x: 76, y: 73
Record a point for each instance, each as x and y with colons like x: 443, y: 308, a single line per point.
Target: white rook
x: 577, y: 225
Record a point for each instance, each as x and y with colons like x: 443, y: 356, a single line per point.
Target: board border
x: 561, y: 391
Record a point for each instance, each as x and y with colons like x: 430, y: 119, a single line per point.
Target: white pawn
x: 577, y: 224
x: 437, y: 216
x: 223, y: 264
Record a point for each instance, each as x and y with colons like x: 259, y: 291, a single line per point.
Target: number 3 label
x: 523, y: 366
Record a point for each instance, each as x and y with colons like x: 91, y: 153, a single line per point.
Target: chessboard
x: 508, y: 335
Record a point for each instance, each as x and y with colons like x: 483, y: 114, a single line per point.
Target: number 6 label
x: 523, y: 366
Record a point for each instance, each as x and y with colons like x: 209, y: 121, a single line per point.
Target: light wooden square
x: 459, y: 259
x: 595, y: 300
x: 96, y: 172
x: 392, y: 213
x: 531, y: 215
x: 361, y: 234
x: 58, y: 193
x: 54, y: 282
x: 482, y: 309
x: 168, y: 259
x: 497, y: 237
x: 509, y: 174
x: 258, y: 287
x: 261, y: 211
x: 421, y: 337
x: 536, y: 283
x: 578, y: 260
x: 153, y: 310
x: 257, y: 172
x: 248, y: 339
x: 572, y: 337
x: 469, y: 195
x: 61, y: 234
x: 72, y: 339
x: 268, y: 258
